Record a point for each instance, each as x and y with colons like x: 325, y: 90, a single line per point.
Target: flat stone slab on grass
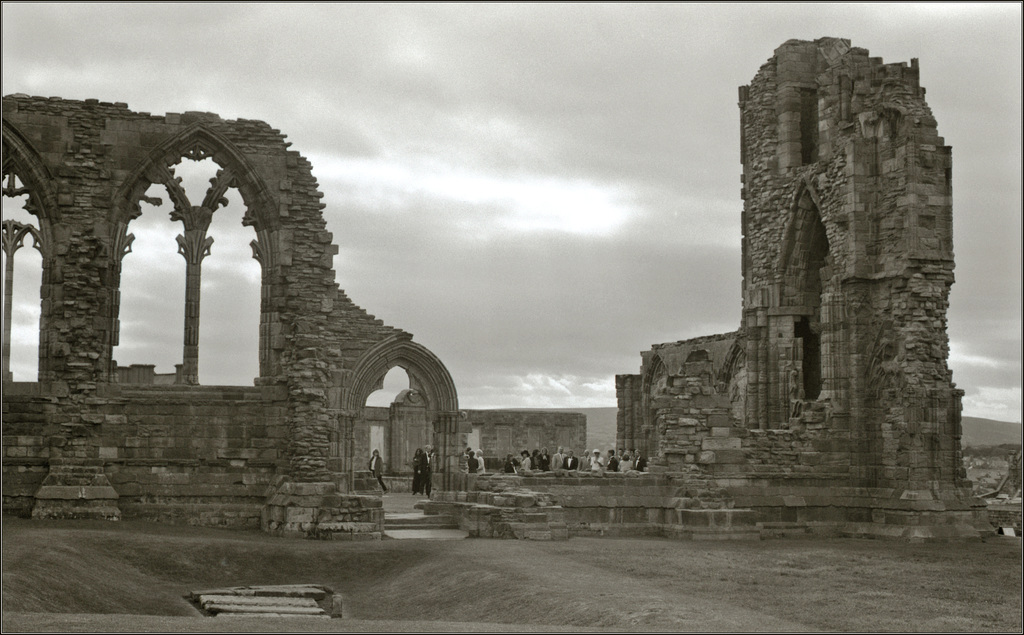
x: 290, y: 600
x: 426, y: 534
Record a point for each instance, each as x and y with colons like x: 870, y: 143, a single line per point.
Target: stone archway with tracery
x: 196, y: 143
x: 86, y: 167
x: 25, y: 176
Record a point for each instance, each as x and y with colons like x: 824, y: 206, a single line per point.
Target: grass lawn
x: 83, y: 567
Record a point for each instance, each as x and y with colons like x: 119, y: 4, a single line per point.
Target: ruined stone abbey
x: 831, y: 408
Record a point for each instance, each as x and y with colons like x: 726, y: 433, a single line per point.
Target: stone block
x: 721, y: 443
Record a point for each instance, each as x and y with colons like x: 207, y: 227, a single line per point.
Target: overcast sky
x: 536, y: 192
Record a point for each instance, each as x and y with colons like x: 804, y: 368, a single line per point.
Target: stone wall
x: 201, y: 455
x: 86, y: 166
x: 510, y: 431
x: 496, y: 432
x: 686, y: 506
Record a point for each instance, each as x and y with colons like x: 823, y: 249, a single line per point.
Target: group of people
x: 422, y: 470
x: 541, y: 461
x: 473, y: 461
x: 538, y: 461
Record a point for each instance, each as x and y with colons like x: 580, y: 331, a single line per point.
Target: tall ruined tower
x: 835, y: 388
x: 848, y: 259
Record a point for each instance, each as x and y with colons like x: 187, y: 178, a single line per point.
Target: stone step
x: 269, y: 607
x: 418, y: 520
x: 426, y: 534
x: 287, y: 600
x: 205, y: 600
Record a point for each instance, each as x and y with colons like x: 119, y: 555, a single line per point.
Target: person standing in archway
x: 428, y: 472
x: 377, y: 469
x: 419, y: 466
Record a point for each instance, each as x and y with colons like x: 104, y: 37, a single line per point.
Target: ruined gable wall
x: 87, y: 164
x: 878, y: 178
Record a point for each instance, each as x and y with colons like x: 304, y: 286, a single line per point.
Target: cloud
x: 1001, y: 404
x: 521, y: 203
x: 536, y: 191
x: 539, y: 390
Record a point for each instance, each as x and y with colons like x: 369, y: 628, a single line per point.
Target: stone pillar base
x: 319, y: 511
x: 365, y: 484
x: 76, y: 490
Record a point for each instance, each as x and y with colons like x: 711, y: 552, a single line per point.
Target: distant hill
x: 976, y: 431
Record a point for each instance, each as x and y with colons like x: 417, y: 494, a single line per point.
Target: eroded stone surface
x: 838, y: 371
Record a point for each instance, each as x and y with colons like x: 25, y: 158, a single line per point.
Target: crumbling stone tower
x: 848, y: 259
x: 838, y: 371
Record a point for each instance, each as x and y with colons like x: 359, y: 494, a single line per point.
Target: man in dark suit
x: 570, y: 462
x: 613, y: 463
x: 428, y: 475
x: 641, y: 461
x: 377, y: 469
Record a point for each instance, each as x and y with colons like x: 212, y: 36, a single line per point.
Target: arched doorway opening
x: 396, y: 420
x: 423, y: 412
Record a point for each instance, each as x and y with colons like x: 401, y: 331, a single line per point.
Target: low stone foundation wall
x: 823, y: 505
x: 694, y: 505
x: 319, y: 511
x: 631, y: 504
x: 510, y: 514
x: 202, y: 455
x: 1005, y: 515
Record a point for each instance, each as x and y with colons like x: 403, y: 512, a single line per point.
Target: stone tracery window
x: 22, y: 307
x: 225, y: 290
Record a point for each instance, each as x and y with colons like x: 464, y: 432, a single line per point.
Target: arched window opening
x: 816, y: 276
x: 230, y: 291
x: 152, y: 291
x: 395, y: 382
x: 215, y: 288
x: 23, y: 266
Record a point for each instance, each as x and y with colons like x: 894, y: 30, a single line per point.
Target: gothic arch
x: 655, y: 369
x: 426, y: 374
x: 22, y: 159
x: 808, y: 276
x: 198, y: 142
x: 804, y: 209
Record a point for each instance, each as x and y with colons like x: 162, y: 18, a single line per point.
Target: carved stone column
x: 194, y: 246
x: 121, y: 242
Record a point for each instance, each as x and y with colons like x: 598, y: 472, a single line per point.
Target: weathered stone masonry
x: 86, y: 166
x: 833, y: 403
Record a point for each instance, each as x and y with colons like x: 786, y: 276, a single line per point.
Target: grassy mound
x: 782, y: 585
